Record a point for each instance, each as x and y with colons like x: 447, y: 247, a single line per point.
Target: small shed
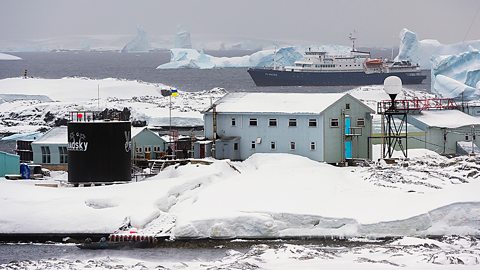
x: 50, y: 150
x: 9, y: 164
x: 444, y: 129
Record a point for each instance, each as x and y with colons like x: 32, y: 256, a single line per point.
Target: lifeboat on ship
x: 374, y: 62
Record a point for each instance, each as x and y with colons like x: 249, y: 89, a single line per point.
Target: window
x: 292, y: 122
x: 147, y: 149
x: 466, y: 137
x: 312, y: 122
x: 253, y: 121
x: 313, y: 146
x: 45, y: 154
x: 273, y: 146
x: 347, y: 106
x: 234, y: 123
x: 156, y: 149
x: 139, y: 150
x: 334, y: 122
x: 235, y: 146
x: 292, y: 145
x: 272, y: 122
x: 62, y: 150
x: 360, y: 122
x: 253, y: 144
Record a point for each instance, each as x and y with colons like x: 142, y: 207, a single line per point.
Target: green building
x: 9, y: 164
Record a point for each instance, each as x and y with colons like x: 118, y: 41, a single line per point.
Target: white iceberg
x: 423, y: 51
x: 139, y: 44
x: 191, y: 58
x: 457, y: 75
x: 4, y: 56
x: 182, y: 39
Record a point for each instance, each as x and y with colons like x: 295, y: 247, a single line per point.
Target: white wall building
x: 322, y: 127
x: 444, y: 129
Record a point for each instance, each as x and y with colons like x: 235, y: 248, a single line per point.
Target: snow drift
x: 4, y: 56
x: 268, y: 195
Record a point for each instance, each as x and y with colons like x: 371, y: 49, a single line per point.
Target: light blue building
x: 322, y: 127
x: 9, y: 164
x: 146, y: 144
x: 50, y: 150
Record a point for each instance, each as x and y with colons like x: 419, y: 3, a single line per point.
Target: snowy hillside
x: 23, y: 110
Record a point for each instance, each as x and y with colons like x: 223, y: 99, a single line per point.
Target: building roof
x: 445, y: 119
x: 56, y: 135
x: 309, y: 103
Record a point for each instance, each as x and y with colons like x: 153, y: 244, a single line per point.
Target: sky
x: 377, y: 22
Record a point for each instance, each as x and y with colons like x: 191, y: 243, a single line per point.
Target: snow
x: 26, y: 111
x: 422, y: 51
x: 29, y: 136
x: 138, y: 44
x: 4, y: 56
x: 313, y: 103
x: 288, y: 195
x: 285, y: 56
x: 56, y: 135
x: 446, y: 118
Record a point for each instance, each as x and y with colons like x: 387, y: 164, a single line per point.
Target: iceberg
x: 4, y: 56
x: 457, y: 75
x: 191, y: 58
x: 423, y: 51
x: 139, y: 44
x: 182, y: 39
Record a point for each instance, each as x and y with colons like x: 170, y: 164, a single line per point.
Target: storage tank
x: 99, y: 151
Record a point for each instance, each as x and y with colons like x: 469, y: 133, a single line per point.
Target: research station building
x: 447, y: 131
x: 323, y: 127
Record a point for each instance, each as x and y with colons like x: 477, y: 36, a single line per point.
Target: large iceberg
x: 423, y: 51
x: 191, y: 58
x: 182, y: 39
x: 139, y: 44
x: 457, y: 75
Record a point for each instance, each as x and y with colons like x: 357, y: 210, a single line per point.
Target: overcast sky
x: 377, y: 22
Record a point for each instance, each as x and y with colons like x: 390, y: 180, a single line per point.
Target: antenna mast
x: 352, y: 37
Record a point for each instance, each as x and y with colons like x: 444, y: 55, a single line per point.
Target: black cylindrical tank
x: 99, y: 151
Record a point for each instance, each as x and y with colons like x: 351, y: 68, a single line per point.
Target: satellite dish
x: 392, y: 86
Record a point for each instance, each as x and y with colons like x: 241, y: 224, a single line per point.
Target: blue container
x: 25, y: 171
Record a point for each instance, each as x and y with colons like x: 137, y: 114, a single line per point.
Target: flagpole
x: 170, y: 117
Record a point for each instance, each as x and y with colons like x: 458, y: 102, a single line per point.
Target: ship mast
x: 352, y: 38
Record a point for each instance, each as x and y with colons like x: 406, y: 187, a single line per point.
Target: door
x: 348, y: 142
x: 202, y: 150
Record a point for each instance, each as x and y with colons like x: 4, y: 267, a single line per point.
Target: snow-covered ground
x: 406, y: 252
x: 268, y: 195
x: 22, y: 109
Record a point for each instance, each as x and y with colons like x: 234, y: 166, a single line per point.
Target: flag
x: 174, y: 92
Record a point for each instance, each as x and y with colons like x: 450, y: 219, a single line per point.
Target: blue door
x: 348, y: 144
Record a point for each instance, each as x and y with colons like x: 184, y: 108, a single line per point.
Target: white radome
x: 392, y: 85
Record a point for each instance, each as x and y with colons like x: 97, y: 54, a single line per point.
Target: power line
x: 471, y: 24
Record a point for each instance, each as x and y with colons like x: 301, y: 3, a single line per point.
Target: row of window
x: 272, y: 122
x: 273, y: 146
x: 334, y: 122
x: 147, y: 149
x: 292, y: 122
x: 46, y: 156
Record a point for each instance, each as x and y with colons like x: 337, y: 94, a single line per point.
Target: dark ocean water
x: 142, y: 66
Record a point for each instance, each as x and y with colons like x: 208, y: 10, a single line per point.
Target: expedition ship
x: 317, y: 68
